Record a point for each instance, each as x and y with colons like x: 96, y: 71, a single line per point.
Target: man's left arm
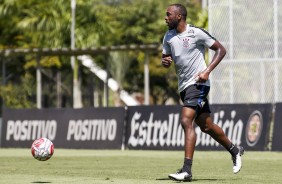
x: 220, y: 52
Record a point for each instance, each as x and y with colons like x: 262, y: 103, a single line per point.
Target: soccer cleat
x: 181, y: 176
x: 237, y: 160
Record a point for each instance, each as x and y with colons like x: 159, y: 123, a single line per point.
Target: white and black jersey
x: 187, y: 50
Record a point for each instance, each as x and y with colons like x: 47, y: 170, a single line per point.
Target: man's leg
x: 187, y: 118
x: 204, y: 121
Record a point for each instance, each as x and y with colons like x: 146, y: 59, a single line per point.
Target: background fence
x: 251, y: 31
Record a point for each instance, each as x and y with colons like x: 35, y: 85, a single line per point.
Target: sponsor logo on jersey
x: 191, y: 31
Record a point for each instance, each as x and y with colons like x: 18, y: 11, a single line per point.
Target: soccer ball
x: 42, y: 149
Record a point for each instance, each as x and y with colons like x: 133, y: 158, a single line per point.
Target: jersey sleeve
x: 205, y: 38
x: 166, y: 47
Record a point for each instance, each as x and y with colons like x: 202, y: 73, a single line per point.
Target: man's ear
x: 179, y: 16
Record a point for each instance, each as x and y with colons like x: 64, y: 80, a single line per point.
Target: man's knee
x: 206, y: 129
x: 187, y: 118
x: 205, y: 123
x: 186, y: 123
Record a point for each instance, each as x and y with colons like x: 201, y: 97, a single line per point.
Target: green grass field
x: 124, y: 167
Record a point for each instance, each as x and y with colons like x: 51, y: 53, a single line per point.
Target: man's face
x: 172, y: 17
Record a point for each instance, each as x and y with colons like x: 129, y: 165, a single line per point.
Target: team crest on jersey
x: 185, y: 42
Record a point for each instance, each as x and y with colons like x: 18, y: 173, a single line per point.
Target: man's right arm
x: 166, y: 56
x: 166, y: 60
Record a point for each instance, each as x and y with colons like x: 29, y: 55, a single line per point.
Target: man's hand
x: 202, y: 76
x: 166, y: 61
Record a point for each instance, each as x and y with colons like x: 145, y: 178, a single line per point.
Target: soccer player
x: 185, y: 44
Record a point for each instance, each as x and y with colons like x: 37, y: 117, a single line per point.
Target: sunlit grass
x: 124, y: 167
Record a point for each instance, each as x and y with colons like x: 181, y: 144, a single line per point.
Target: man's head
x: 175, y: 13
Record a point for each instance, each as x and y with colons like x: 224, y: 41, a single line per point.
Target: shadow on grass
x: 199, y: 179
x: 214, y: 179
x: 163, y: 179
x: 41, y: 182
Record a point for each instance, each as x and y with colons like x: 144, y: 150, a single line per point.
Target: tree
x: 98, y: 23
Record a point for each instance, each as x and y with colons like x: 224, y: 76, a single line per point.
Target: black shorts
x: 195, y: 97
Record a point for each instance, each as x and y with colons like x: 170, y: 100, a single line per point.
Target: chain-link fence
x: 251, y: 31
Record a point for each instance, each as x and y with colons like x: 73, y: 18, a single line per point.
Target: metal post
x: 59, y: 90
x: 231, y: 51
x: 38, y: 84
x: 146, y: 80
x: 204, y: 4
x: 3, y: 72
x: 275, y: 29
x: 209, y: 52
x: 3, y: 78
x: 106, y: 85
x: 73, y: 6
x: 262, y: 83
x: 73, y: 62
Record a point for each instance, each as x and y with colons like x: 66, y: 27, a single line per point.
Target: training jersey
x: 187, y: 50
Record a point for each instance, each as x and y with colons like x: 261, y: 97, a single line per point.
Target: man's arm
x: 166, y: 60
x: 218, y: 56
